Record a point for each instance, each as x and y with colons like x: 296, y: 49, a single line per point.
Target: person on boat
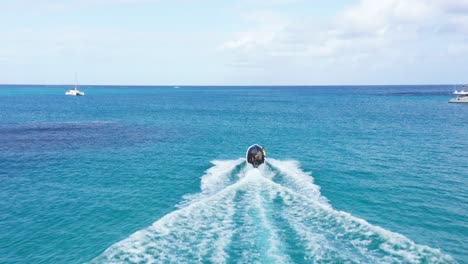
x: 252, y: 155
x: 256, y: 155
x: 259, y: 156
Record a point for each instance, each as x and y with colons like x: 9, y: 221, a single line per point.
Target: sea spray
x: 273, y: 214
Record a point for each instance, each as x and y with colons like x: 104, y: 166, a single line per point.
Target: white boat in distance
x: 75, y: 92
x: 462, y: 96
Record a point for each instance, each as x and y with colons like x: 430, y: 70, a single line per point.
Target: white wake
x: 273, y: 214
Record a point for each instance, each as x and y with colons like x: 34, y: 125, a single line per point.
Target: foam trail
x: 215, y: 179
x: 199, y: 231
x: 297, y: 179
x: 274, y: 214
x: 256, y: 237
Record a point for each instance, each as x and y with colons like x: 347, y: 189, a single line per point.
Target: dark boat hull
x: 255, y: 155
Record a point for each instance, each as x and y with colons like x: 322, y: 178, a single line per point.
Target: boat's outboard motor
x: 256, y: 155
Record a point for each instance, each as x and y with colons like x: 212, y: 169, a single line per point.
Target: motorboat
x: 462, y: 96
x: 256, y: 155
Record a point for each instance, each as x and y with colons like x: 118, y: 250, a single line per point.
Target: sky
x: 234, y: 42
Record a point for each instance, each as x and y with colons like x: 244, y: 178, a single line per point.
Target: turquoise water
x: 131, y: 174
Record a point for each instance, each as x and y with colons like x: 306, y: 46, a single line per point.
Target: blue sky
x: 237, y: 42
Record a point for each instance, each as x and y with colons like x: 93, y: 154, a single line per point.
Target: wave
x: 274, y: 214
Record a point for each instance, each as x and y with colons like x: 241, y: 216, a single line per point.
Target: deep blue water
x: 372, y: 174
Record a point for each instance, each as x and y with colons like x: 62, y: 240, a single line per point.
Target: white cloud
x: 384, y: 17
x: 453, y: 6
x: 267, y: 40
x: 48, y: 7
x: 458, y: 49
x: 370, y: 34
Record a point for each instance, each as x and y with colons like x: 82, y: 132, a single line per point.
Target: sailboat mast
x: 76, y: 83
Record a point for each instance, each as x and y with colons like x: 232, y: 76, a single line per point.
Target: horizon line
x: 225, y: 85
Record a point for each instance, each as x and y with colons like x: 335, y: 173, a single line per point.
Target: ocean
x: 353, y: 174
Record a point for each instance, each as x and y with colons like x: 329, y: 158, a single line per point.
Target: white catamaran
x: 462, y: 96
x: 75, y: 92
